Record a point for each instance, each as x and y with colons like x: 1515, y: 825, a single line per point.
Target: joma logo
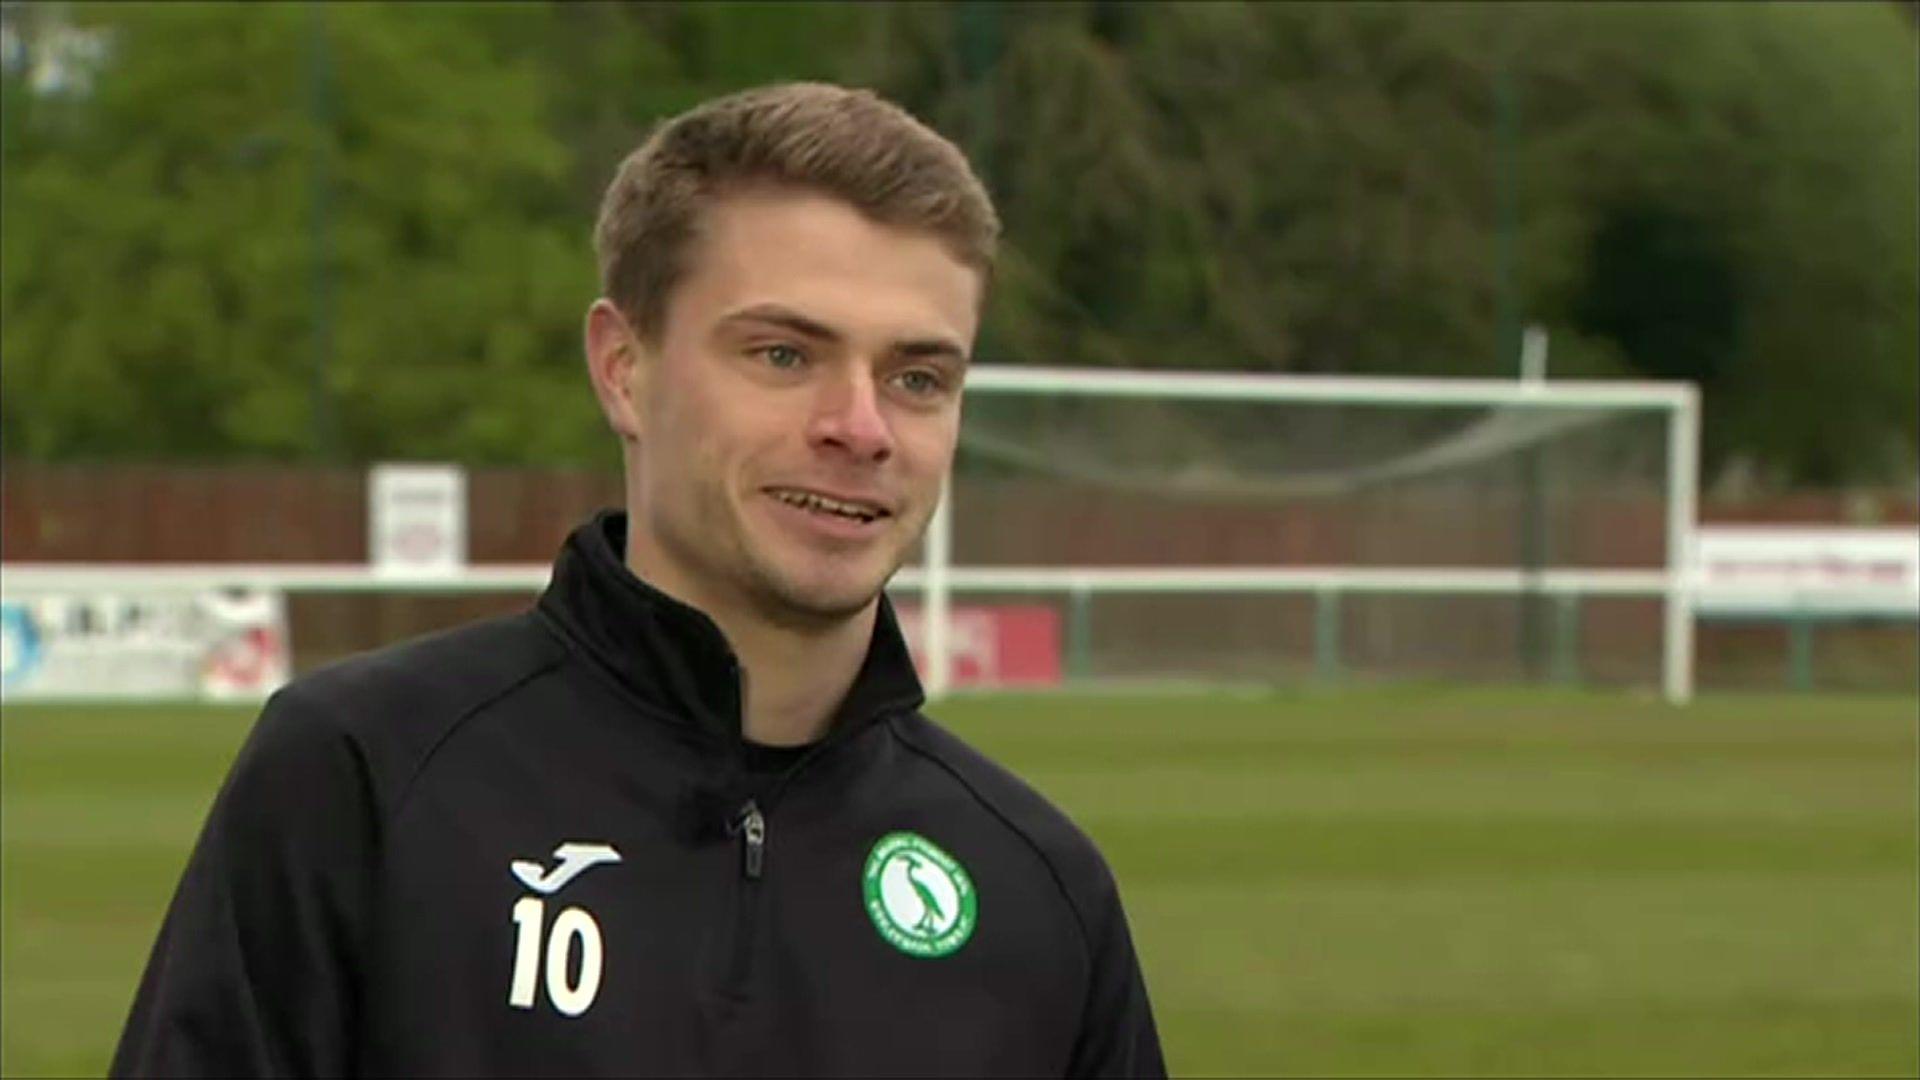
x: 573, y: 927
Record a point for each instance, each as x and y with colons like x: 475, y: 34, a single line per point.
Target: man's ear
x: 615, y: 367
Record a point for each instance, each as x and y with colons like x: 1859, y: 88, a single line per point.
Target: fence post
x: 1566, y: 638
x: 1326, y: 634
x: 1079, y: 631
x: 1800, y: 650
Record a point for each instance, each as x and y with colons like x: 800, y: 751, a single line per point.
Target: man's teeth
x: 807, y: 500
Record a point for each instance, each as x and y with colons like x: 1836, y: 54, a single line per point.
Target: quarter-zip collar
x: 674, y: 659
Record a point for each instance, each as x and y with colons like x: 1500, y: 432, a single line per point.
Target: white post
x: 1683, y: 479
x: 934, y: 601
x: 1533, y: 355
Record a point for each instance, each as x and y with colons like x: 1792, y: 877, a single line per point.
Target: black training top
x: 539, y: 846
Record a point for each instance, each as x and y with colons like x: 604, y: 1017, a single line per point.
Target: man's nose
x: 847, y: 417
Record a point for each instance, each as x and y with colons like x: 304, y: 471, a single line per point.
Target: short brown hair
x: 850, y: 144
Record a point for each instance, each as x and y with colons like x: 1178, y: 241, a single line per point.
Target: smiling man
x: 683, y: 817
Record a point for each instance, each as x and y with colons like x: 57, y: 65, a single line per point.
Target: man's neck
x: 793, y: 680
x: 793, y: 677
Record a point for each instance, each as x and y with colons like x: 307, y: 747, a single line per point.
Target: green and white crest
x: 919, y: 897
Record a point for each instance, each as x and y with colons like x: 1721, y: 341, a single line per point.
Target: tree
x: 1722, y: 193
x: 234, y: 185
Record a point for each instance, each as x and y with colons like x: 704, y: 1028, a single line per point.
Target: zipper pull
x: 752, y: 826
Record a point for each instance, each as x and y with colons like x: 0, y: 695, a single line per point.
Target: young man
x: 683, y: 817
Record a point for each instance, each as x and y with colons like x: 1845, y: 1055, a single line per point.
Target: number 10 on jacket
x: 572, y: 928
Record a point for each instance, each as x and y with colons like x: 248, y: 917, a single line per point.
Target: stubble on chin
x: 785, y: 598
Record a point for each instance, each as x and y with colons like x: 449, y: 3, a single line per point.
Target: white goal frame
x: 938, y: 580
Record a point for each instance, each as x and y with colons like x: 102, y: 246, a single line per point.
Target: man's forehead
x: 789, y: 253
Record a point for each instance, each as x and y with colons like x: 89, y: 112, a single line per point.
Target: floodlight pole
x: 1533, y: 519
x: 980, y: 45
x: 320, y: 411
x: 1512, y: 350
x: 1506, y: 196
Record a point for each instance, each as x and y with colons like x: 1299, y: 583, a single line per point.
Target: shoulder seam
x: 413, y: 777
x: 1066, y: 894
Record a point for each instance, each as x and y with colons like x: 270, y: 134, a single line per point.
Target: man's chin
x: 820, y: 600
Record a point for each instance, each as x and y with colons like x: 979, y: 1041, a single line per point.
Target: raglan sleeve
x: 1117, y: 1033
x: 256, y: 968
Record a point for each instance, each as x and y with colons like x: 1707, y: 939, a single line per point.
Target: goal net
x: 1100, y: 527
x: 1108, y: 526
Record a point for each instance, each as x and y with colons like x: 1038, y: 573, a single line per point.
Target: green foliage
x: 1773, y: 148
x: 1722, y: 193
x: 234, y: 180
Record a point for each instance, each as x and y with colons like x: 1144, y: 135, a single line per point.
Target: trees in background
x: 283, y: 231
x: 361, y: 231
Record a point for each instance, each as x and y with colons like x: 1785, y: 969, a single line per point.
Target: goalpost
x: 1484, y: 440
x: 1233, y: 527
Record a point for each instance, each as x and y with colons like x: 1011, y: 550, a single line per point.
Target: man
x: 683, y: 817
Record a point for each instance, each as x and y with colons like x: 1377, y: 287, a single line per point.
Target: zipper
x: 751, y: 824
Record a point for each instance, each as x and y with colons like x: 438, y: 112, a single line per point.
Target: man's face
x: 794, y: 422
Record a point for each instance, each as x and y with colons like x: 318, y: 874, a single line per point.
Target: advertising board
x: 163, y: 645
x: 416, y: 519
x: 1786, y: 570
x: 994, y: 645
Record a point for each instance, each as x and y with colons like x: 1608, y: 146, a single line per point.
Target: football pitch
x: 1407, y: 881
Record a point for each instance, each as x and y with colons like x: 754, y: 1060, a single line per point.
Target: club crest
x: 919, y: 897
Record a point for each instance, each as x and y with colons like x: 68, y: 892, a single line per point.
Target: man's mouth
x: 851, y: 509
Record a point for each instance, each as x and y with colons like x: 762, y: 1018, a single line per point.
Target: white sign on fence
x: 417, y: 519
x: 225, y: 644
x: 1784, y: 570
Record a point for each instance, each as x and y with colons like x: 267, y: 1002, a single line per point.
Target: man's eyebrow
x: 930, y: 348
x: 779, y: 315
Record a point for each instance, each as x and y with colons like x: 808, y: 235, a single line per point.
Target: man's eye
x: 783, y: 357
x: 920, y: 382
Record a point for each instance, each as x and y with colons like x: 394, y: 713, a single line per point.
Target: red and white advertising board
x: 994, y: 645
x: 416, y: 519
x: 1782, y: 570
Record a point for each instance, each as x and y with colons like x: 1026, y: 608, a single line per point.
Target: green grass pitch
x: 1402, y: 881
